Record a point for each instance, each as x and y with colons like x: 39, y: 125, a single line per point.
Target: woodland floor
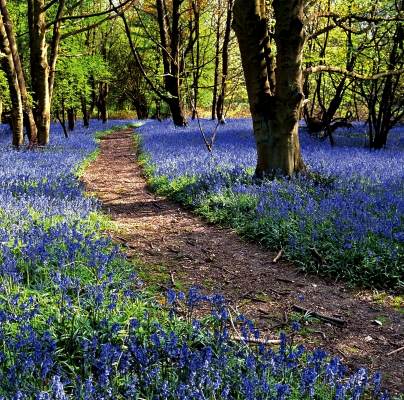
x: 173, y: 246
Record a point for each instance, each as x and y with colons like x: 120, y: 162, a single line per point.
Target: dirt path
x: 172, y: 241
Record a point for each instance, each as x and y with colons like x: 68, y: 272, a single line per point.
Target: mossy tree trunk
x: 275, y: 102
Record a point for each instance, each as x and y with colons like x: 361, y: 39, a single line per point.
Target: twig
x: 255, y: 341
x: 278, y: 257
x: 285, y: 280
x: 250, y: 296
x: 121, y: 239
x: 332, y: 320
x: 395, y: 351
x: 228, y: 271
x: 321, y: 333
x: 172, y: 278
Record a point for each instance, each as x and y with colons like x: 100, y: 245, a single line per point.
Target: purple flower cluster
x: 348, y: 211
x: 76, y: 324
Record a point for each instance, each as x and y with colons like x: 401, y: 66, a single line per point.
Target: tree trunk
x: 225, y: 63
x: 61, y: 119
x: 17, y: 119
x: 196, y: 58
x: 102, y: 101
x: 9, y: 35
x: 93, y: 101
x: 275, y: 115
x: 141, y: 108
x: 217, y: 63
x: 170, y: 46
x: 39, y: 69
x: 71, y: 118
x: 84, y: 111
x: 54, y: 48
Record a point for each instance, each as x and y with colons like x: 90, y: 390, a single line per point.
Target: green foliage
x: 327, y: 256
x: 4, y: 92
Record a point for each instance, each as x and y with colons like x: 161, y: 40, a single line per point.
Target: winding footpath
x: 176, y: 247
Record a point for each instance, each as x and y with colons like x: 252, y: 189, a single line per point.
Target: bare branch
x: 88, y: 27
x: 49, y: 5
x: 84, y: 16
x: 351, y: 74
x: 357, y: 17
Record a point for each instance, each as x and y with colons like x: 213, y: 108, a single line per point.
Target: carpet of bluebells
x: 75, y: 322
x: 344, y: 219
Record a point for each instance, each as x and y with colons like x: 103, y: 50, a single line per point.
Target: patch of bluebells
x: 76, y: 324
x: 144, y: 358
x: 348, y: 212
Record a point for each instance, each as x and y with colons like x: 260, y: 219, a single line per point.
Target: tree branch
x: 49, y: 5
x: 351, y: 74
x: 84, y: 16
x: 88, y: 27
x: 136, y: 55
x: 357, y: 17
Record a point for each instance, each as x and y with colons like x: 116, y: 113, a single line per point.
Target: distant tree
x: 384, y: 97
x: 225, y: 62
x: 355, y: 52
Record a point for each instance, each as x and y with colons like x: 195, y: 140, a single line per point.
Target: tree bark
x: 141, y: 107
x: 217, y: 63
x: 170, y: 45
x: 39, y: 69
x: 225, y: 63
x: 102, y: 101
x: 85, y: 112
x: 17, y: 118
x: 195, y: 55
x: 54, y: 47
x: 275, y: 115
x: 386, y: 118
x: 17, y: 66
x: 71, y: 119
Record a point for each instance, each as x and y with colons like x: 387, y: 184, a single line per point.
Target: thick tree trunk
x: 39, y: 69
x: 17, y: 118
x: 9, y: 35
x: 170, y: 45
x: 275, y: 115
x: 289, y: 39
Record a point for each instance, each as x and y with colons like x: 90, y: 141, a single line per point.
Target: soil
x: 173, y: 245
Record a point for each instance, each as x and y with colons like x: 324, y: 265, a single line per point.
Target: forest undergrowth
x: 343, y: 220
x: 76, y: 322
